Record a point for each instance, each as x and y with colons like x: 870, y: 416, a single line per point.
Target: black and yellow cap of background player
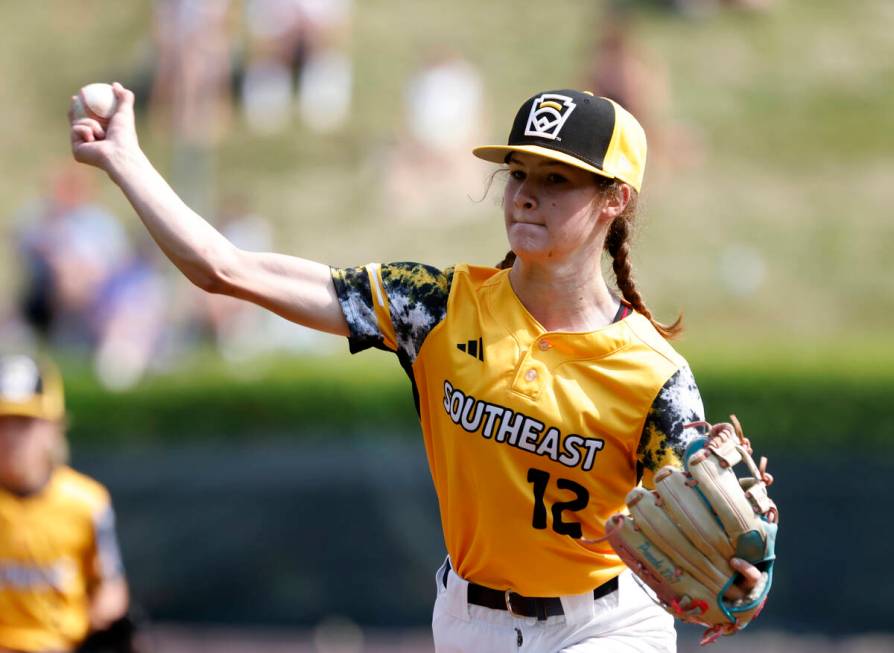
x: 580, y: 129
x: 30, y: 388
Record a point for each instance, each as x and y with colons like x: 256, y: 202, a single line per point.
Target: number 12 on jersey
x: 540, y: 480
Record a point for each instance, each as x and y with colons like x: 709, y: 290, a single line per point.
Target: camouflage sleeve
x: 664, y: 439
x: 392, y: 306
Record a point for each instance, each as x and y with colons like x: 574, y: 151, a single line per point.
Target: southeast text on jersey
x: 504, y: 425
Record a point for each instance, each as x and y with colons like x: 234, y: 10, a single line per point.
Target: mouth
x: 528, y: 222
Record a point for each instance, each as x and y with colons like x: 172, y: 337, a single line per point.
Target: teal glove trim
x: 697, y: 444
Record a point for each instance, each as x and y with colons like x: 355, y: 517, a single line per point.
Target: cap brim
x: 498, y: 154
x: 31, y: 408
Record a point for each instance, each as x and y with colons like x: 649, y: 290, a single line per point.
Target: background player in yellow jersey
x: 61, y: 576
x: 544, y: 396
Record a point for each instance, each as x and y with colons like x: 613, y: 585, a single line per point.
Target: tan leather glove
x: 679, y: 538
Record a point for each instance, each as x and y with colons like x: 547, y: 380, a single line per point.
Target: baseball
x: 95, y: 101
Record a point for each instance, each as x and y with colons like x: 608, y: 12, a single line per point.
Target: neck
x: 564, y: 298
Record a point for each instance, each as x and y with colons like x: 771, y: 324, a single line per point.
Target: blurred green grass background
x: 792, y: 108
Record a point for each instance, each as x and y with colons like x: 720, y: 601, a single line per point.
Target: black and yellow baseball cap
x: 580, y: 129
x: 30, y: 388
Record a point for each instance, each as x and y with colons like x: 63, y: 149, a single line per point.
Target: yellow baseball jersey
x: 55, y: 546
x: 533, y: 437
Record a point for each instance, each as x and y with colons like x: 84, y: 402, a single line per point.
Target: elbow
x: 212, y: 281
x: 216, y: 273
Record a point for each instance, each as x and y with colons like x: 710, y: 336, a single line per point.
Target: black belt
x: 525, y: 606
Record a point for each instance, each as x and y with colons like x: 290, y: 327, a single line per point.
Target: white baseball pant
x: 624, y: 621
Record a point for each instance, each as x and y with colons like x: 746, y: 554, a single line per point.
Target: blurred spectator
x: 444, y: 118
x: 235, y: 326
x: 748, y: 4
x: 131, y: 318
x: 741, y: 268
x: 191, y: 96
x: 61, y: 574
x: 444, y: 103
x: 702, y: 7
x: 325, y: 83
x: 240, y: 330
x: 70, y: 248
x: 622, y: 69
x: 276, y: 52
x: 297, y: 60
x: 86, y: 289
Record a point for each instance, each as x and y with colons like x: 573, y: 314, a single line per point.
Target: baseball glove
x: 679, y: 538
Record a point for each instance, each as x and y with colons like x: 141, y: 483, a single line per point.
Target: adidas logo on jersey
x: 474, y: 348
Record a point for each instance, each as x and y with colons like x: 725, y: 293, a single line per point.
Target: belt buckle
x: 508, y: 599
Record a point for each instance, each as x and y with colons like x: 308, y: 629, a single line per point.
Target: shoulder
x: 478, y: 273
x: 417, y: 280
x: 427, y: 289
x: 476, y: 276
x: 647, y: 336
x: 645, y: 355
x: 402, y: 279
x: 80, y: 491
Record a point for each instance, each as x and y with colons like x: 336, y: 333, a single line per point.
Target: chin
x: 527, y: 253
x: 528, y: 242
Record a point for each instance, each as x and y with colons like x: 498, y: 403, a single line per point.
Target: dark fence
x: 273, y: 533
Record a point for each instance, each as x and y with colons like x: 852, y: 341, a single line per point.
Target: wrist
x: 126, y: 164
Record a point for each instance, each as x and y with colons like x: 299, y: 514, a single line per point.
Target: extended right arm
x: 299, y: 290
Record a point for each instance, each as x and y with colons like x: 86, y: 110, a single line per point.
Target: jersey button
x: 545, y: 345
x: 530, y: 375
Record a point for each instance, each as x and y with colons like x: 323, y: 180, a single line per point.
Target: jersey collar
x: 507, y: 310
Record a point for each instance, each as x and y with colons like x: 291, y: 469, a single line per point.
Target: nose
x: 524, y: 197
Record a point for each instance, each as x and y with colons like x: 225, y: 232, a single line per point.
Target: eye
x: 556, y: 178
x: 518, y: 175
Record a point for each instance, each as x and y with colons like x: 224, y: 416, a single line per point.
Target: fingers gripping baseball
x: 101, y: 141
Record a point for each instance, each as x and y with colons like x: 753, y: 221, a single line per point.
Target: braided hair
x: 617, y: 244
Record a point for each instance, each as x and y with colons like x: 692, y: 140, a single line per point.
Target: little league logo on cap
x: 578, y: 129
x: 548, y: 113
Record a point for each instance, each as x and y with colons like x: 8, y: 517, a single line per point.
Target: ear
x: 615, y: 201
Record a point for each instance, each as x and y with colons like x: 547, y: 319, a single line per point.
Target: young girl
x: 61, y: 577
x: 543, y: 396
